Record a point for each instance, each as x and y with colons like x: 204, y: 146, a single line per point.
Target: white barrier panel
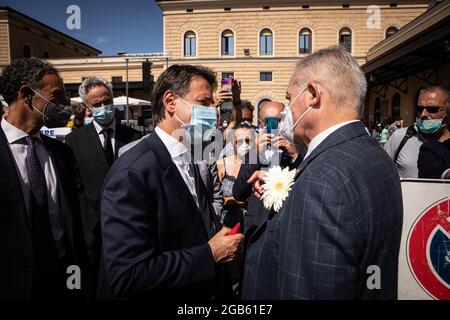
x: 424, y: 262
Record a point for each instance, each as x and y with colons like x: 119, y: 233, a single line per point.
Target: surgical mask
x: 203, y: 123
x: 88, y: 121
x: 103, y: 115
x: 243, y: 149
x: 54, y: 115
x: 286, y: 126
x: 432, y: 126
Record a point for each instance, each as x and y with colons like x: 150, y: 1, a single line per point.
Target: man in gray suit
x: 337, y: 235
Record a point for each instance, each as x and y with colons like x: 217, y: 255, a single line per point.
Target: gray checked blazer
x: 341, y: 221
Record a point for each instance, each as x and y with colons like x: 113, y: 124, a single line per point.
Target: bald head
x: 271, y: 109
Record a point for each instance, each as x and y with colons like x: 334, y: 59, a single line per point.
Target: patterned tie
x: 36, y: 175
x: 107, y: 132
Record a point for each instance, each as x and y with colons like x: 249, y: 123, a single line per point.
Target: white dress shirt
x: 99, y: 129
x: 177, y: 151
x: 323, y: 135
x: 19, y: 147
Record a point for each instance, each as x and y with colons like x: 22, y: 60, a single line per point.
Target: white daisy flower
x: 278, y: 183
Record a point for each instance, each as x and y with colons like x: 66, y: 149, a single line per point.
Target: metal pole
x: 126, y: 92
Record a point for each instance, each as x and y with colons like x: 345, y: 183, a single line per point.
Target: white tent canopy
x: 118, y: 101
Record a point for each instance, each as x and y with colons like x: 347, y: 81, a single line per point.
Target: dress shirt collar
x: 14, y: 134
x: 323, y: 135
x: 175, y: 147
x: 99, y: 127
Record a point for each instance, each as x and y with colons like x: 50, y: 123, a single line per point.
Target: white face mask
x: 286, y: 126
x: 243, y: 149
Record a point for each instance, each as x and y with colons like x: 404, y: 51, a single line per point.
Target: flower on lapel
x: 278, y: 183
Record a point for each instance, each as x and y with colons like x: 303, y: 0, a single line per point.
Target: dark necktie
x: 44, y: 248
x: 204, y: 202
x: 36, y: 175
x: 107, y: 146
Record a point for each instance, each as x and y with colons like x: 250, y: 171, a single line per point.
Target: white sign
x: 424, y: 261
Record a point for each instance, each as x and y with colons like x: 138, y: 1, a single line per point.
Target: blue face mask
x: 432, y: 126
x: 103, y: 115
x: 88, y: 121
x: 203, y: 123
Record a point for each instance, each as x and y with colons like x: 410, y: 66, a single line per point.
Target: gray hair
x: 91, y: 82
x: 336, y: 70
x: 437, y: 88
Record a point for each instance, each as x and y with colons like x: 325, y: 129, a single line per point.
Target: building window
x: 265, y: 42
x: 45, y: 55
x: 396, y: 106
x: 265, y: 76
x: 226, y: 75
x: 227, y: 43
x: 190, y: 44
x: 390, y: 31
x: 27, y: 51
x: 116, y: 79
x: 345, y: 39
x: 304, y: 41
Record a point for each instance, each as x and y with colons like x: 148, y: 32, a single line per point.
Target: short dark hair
x: 177, y: 78
x: 247, y: 105
x: 245, y: 125
x: 20, y: 72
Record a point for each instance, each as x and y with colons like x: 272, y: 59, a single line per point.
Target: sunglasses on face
x: 430, y: 109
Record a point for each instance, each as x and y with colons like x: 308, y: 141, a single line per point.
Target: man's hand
x: 221, y: 97
x: 281, y: 142
x: 236, y: 91
x: 262, y: 140
x: 257, y: 180
x: 224, y: 247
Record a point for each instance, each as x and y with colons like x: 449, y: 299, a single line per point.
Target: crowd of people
x: 178, y: 213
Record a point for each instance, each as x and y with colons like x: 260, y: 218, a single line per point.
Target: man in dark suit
x: 337, y: 236
x: 40, y: 226
x: 95, y: 147
x: 160, y: 234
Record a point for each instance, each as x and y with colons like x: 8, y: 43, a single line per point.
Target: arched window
x: 27, y: 51
x: 227, y: 43
x: 396, y: 106
x: 390, y: 31
x: 45, y: 55
x: 305, y: 41
x: 190, y: 44
x: 377, y: 110
x: 265, y: 42
x: 345, y: 39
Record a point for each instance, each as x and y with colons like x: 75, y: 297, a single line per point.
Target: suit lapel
x: 119, y: 139
x: 96, y: 148
x: 60, y: 167
x: 347, y: 132
x: 9, y: 180
x: 171, y: 175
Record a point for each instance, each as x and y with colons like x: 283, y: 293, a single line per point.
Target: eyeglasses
x: 430, y: 109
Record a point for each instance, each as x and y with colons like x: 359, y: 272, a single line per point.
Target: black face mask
x: 54, y: 115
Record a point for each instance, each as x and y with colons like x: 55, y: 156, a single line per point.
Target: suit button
x: 28, y: 236
x: 30, y: 267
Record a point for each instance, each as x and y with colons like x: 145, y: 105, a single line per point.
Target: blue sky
x: 134, y: 26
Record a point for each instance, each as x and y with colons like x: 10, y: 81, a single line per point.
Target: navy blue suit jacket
x: 154, y: 238
x: 343, y: 214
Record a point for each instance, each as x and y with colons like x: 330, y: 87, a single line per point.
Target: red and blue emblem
x: 428, y: 250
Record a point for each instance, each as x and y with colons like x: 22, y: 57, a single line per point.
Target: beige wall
x: 74, y: 70
x: 4, y: 39
x: 17, y: 30
x: 285, y: 23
